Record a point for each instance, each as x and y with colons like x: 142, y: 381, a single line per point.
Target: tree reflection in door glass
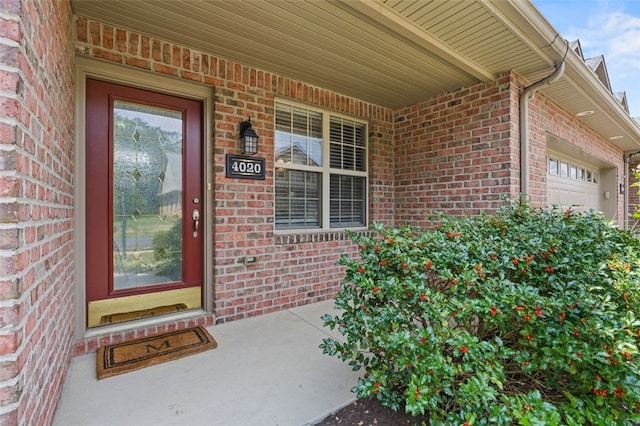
x: 147, y: 196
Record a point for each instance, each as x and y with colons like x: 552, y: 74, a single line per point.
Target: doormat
x: 144, y: 313
x: 123, y: 357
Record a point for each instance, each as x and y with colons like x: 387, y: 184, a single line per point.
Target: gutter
x: 527, y: 94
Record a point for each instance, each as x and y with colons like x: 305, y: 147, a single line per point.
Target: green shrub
x: 523, y: 316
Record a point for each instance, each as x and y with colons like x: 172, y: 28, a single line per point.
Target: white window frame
x: 325, y: 170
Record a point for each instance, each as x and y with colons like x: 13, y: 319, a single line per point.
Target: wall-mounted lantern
x: 248, y: 138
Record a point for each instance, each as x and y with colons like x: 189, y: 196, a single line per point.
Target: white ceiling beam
x: 393, y: 21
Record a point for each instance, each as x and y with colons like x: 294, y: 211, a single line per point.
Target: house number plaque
x: 244, y: 167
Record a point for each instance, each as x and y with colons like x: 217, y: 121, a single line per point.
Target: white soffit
x: 392, y: 53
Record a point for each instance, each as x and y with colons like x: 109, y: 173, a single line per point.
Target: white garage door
x: 571, y: 184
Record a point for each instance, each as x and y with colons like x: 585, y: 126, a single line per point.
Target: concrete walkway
x: 266, y: 370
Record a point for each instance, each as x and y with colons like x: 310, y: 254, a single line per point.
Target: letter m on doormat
x: 163, y: 345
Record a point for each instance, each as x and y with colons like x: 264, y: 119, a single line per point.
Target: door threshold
x: 131, y: 308
x: 143, y: 323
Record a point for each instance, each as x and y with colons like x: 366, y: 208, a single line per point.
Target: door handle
x: 195, y: 215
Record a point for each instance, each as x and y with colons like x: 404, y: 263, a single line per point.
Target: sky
x: 604, y: 27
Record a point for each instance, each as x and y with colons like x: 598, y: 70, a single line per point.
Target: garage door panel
x: 572, y: 194
x: 577, y: 194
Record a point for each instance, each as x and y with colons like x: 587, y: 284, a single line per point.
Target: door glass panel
x: 147, y: 196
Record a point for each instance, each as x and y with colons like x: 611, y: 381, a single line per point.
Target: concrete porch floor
x: 266, y: 370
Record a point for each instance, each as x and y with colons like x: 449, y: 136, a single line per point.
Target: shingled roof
x: 622, y: 98
x: 577, y: 47
x: 598, y: 65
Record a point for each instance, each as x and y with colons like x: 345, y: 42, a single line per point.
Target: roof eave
x: 542, y: 37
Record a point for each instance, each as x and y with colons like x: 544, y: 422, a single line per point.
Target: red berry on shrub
x: 452, y: 235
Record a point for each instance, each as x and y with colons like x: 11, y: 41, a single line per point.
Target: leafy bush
x: 523, y: 316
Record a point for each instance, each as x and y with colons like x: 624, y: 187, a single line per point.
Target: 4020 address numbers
x: 245, y: 167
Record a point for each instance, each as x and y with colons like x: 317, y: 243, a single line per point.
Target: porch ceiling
x: 389, y: 52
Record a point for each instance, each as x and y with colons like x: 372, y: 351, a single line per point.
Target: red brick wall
x: 291, y: 270
x: 547, y: 117
x: 457, y: 153
x: 36, y: 207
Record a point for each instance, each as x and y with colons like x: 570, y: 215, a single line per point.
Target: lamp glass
x: 249, y: 143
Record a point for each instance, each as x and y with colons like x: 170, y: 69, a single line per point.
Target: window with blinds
x: 320, y: 169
